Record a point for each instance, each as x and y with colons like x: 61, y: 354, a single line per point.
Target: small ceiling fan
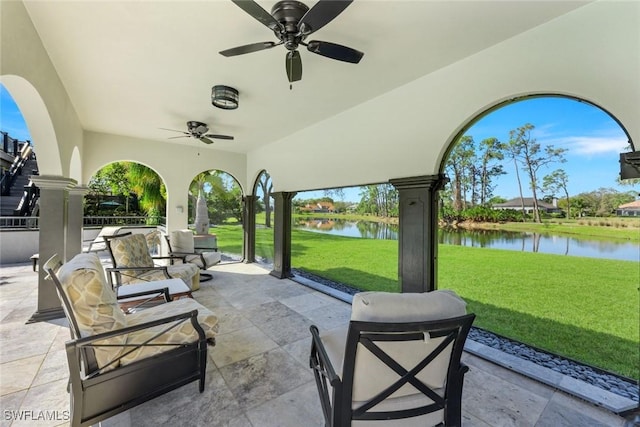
x: 292, y: 22
x: 198, y: 130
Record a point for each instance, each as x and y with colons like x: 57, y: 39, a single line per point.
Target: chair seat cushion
x: 182, y: 334
x: 189, y: 273
x: 210, y: 258
x: 405, y: 402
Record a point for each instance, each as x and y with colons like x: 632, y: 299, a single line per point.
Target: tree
x: 266, y: 186
x: 459, y: 166
x: 555, y: 182
x: 524, y: 149
x: 112, y: 179
x: 334, y: 193
x: 126, y: 178
x: 380, y: 200
x: 603, y: 201
x: 224, y: 199
x: 149, y: 188
x: 490, y: 149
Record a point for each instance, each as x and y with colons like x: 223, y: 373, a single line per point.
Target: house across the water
x: 527, y: 202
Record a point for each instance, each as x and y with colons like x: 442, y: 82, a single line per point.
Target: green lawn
x: 583, y: 308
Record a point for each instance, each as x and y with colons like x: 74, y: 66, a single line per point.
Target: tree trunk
x: 566, y: 193
x: 524, y: 213
x: 536, y: 209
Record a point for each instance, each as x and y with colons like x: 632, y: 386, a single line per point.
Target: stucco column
x: 52, y: 240
x: 75, y: 220
x: 282, y: 234
x: 249, y: 228
x: 418, y: 231
x: 177, y: 210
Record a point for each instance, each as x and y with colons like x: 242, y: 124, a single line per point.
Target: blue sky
x: 592, y: 138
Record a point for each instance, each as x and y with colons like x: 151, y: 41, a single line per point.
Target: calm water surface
x: 514, y: 241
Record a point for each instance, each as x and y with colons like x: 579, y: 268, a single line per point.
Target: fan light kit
x: 292, y: 22
x: 224, y: 97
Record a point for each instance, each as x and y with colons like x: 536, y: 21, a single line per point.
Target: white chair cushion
x: 401, y: 308
x: 407, y: 307
x: 212, y: 258
x: 182, y: 241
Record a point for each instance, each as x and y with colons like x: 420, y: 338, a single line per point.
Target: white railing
x: 31, y: 222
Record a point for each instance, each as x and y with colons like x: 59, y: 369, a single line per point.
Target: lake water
x: 529, y: 242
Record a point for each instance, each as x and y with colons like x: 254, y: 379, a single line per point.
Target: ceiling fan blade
x: 293, y: 64
x: 181, y: 136
x: 321, y: 14
x: 335, y: 51
x: 173, y: 130
x: 205, y: 140
x: 228, y: 137
x: 248, y: 48
x: 255, y: 10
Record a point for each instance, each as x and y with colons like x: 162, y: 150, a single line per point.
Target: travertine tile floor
x: 258, y: 373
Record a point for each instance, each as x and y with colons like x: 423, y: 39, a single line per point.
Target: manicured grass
x: 583, y: 308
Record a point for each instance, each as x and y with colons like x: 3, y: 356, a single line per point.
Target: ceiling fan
x: 198, y: 130
x: 292, y: 22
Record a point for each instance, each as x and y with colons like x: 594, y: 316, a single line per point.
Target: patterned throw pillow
x: 93, y: 303
x: 132, y: 251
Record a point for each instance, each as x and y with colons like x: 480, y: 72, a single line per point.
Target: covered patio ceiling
x: 111, y: 74
x: 133, y: 67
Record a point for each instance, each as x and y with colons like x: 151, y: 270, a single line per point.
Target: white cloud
x: 590, y: 145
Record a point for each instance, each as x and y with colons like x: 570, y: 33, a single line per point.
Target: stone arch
x: 38, y: 121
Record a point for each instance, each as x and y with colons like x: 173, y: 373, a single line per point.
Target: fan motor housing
x: 197, y: 128
x: 289, y: 13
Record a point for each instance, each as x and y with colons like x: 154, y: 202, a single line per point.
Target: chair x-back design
x: 400, y: 361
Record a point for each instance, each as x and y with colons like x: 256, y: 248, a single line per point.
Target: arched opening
x: 215, y: 210
x: 126, y: 189
x: 38, y: 122
x: 529, y: 234
x: 262, y: 189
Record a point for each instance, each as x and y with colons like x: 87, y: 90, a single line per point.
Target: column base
x: 45, y: 315
x: 280, y: 274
